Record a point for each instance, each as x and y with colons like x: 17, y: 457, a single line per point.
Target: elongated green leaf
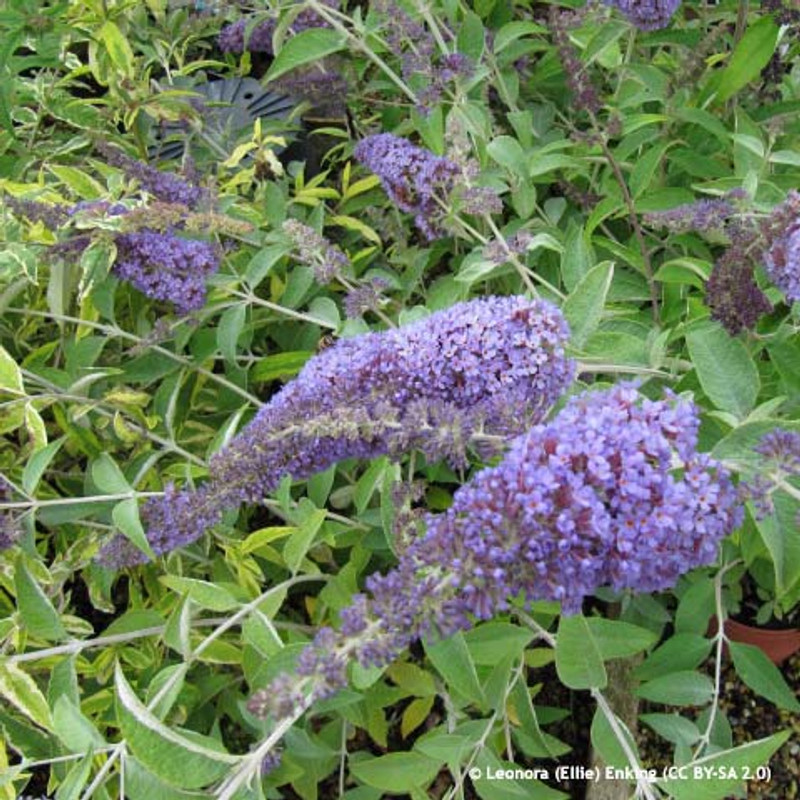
x: 490, y: 643
x: 21, y: 691
x: 298, y: 543
x: 108, y: 476
x: 704, y: 779
x: 86, y: 187
x: 396, y: 772
x: 140, y: 784
x: 126, y: 517
x: 454, y: 663
x: 38, y: 463
x: 577, y: 258
x: 762, y: 676
x: 750, y: 56
x: 205, y: 594
x: 304, y: 48
x: 617, y: 639
x: 678, y: 689
x: 584, y: 306
x: 280, y: 365
x: 673, y: 728
x: 118, y: 48
x: 73, y: 728
x: 37, y: 613
x: 725, y: 369
x: 183, y: 762
x: 604, y: 740
x: 579, y: 662
x: 231, y: 324
x: 680, y: 652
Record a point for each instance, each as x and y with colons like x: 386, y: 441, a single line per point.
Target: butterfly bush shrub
x: 402, y: 460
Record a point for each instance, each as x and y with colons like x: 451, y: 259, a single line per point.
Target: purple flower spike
x: 783, y: 262
x: 410, y: 175
x: 612, y: 492
x: 489, y: 366
x: 166, y: 267
x: 647, y: 15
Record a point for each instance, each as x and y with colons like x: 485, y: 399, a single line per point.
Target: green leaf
x: 73, y: 728
x: 471, y: 36
x: 579, y: 662
x: 617, y: 639
x: 678, y: 689
x: 605, y: 741
x: 304, y: 48
x: 495, y: 788
x: 508, y: 153
x: 10, y: 376
x: 645, y: 168
x: 86, y: 187
x: 368, y: 484
x: 280, y: 365
x: 37, y: 614
x: 205, y: 594
x: 680, y: 652
x: 739, y: 763
x: 725, y: 370
x: 584, y: 306
x: 183, y: 762
x: 71, y: 787
x: 96, y: 261
x: 577, y: 258
x: 126, y: 517
x: 396, y: 772
x: 750, y: 56
x: 454, y: 663
x: 108, y: 476
x: 118, y: 48
x: 38, y: 463
x: 300, y: 541
x: 762, y: 676
x: 673, y: 727
x: 21, y: 691
x: 143, y: 785
x: 696, y: 607
x: 490, y: 643
x: 230, y: 327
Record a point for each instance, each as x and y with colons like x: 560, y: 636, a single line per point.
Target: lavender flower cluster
x: 164, y: 266
x: 781, y: 447
x: 732, y: 294
x: 704, y: 215
x: 490, y: 366
x: 421, y: 61
x: 612, y: 492
x: 314, y: 250
x: 781, y: 451
x: 152, y: 252
x: 647, y: 15
x: 164, y: 186
x: 584, y: 92
x: 412, y: 177
x: 782, y: 261
x: 256, y: 37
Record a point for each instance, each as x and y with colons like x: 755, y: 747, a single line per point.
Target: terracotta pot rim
x: 766, y: 632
